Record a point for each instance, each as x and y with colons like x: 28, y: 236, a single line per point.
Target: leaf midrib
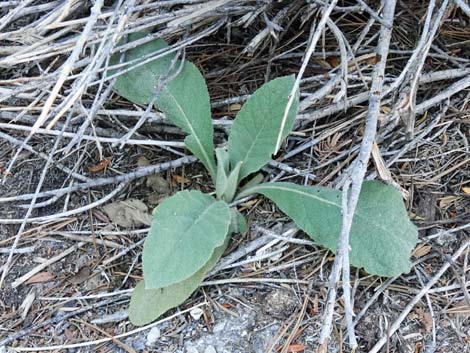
x: 182, y: 238
x: 242, y: 175
x: 323, y: 200
x: 296, y: 191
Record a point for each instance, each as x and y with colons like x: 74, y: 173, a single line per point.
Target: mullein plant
x: 191, y: 229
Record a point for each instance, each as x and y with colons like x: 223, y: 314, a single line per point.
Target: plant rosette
x: 190, y: 230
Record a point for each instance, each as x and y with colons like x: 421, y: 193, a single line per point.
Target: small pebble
x: 196, y: 313
x: 210, y: 349
x: 153, y: 336
x: 218, y: 327
x: 191, y: 349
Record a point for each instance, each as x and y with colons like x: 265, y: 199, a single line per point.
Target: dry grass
x: 59, y: 117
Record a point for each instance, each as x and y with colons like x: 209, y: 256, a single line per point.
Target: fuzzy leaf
x: 148, y: 304
x: 223, y: 160
x: 232, y: 183
x: 227, y: 181
x: 382, y: 236
x: 255, y: 130
x: 184, y: 99
x: 186, y: 229
x: 238, y: 224
x: 222, y: 171
x: 255, y: 180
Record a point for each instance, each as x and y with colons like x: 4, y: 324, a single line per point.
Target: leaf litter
x: 128, y: 213
x: 441, y: 131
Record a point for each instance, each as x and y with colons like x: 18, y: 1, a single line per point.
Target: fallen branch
x: 123, y: 178
x: 351, y: 191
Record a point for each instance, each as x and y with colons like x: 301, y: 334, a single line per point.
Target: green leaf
x: 382, y: 236
x: 186, y: 229
x: 255, y: 180
x: 139, y: 84
x: 148, y: 304
x: 238, y: 223
x: 222, y: 171
x: 232, y: 183
x: 184, y: 99
x: 226, y: 182
x: 223, y: 160
x: 255, y: 130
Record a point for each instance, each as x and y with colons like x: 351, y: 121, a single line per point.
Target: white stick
x: 310, y: 50
x: 355, y: 180
x: 42, y: 266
